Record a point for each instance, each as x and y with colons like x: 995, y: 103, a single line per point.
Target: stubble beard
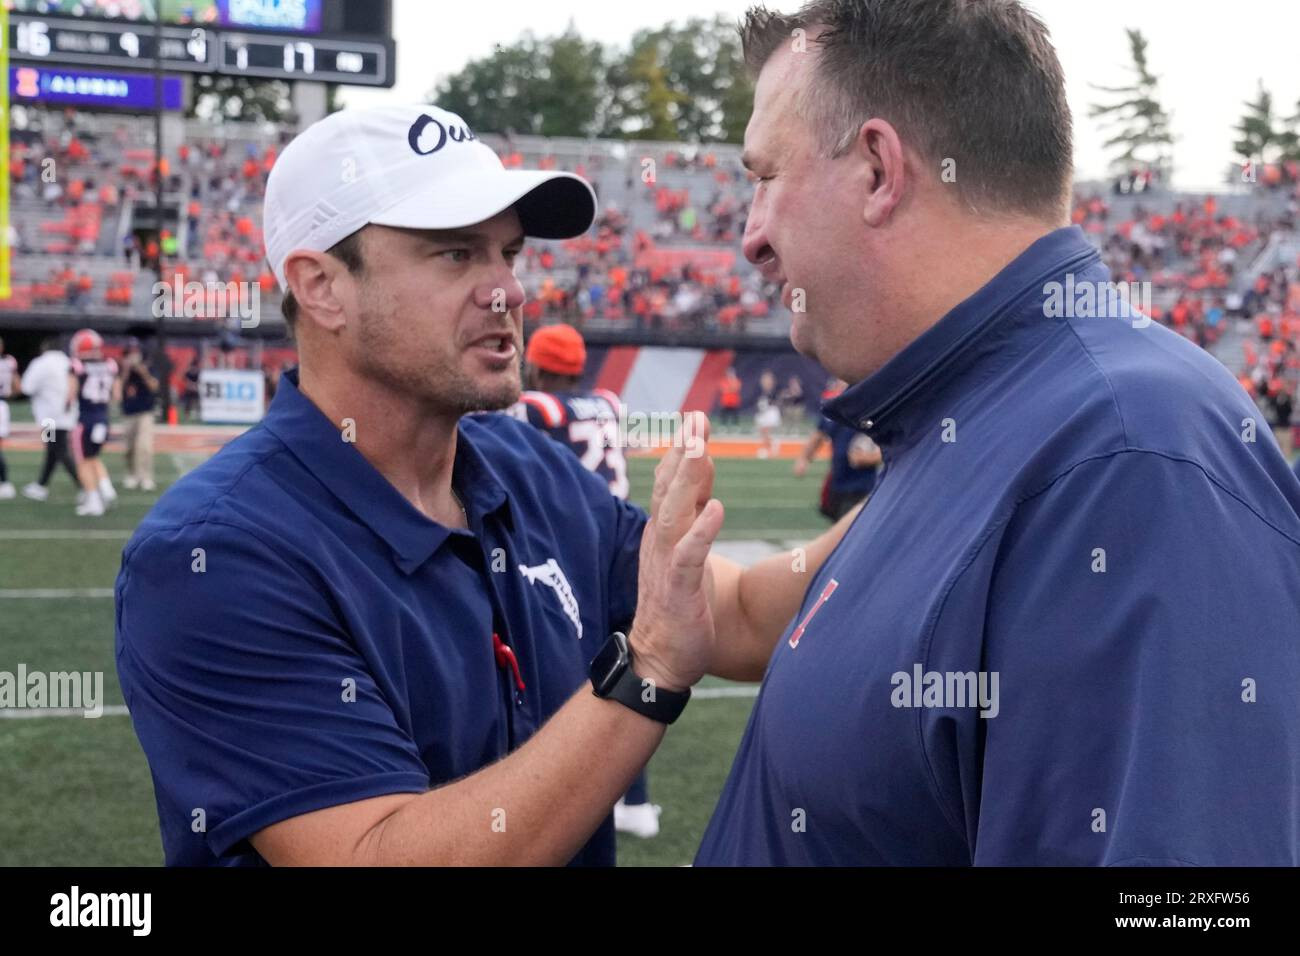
x: 439, y: 383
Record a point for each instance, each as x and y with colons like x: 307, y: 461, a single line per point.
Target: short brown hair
x: 975, y: 81
x: 348, y: 251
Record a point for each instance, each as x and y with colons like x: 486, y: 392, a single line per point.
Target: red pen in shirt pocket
x: 506, y: 658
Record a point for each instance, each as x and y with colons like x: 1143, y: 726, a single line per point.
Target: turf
x: 78, y: 791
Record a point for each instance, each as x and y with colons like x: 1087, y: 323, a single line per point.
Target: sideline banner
x: 231, y: 396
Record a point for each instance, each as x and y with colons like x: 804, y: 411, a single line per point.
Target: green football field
x: 77, y: 792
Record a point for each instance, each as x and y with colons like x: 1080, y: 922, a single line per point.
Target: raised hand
x: 672, y: 640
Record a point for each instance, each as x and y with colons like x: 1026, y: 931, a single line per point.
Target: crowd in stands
x: 625, y: 278
x: 81, y: 178
x: 1283, y: 176
x: 715, y: 215
x: 1189, y: 253
x: 616, y: 274
x: 76, y: 189
x: 1271, y: 353
x: 679, y: 270
x: 1192, y: 253
x: 663, y: 255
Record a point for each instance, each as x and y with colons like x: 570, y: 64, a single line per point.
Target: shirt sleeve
x: 250, y: 700
x: 1141, y: 620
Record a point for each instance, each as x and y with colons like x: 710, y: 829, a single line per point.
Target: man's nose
x: 502, y: 294
x: 754, y: 245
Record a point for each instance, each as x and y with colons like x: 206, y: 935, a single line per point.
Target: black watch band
x: 613, y: 678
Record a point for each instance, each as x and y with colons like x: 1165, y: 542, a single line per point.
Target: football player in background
x: 49, y: 383
x: 586, y: 422
x: 855, y: 461
x: 97, y: 385
x: 8, y: 385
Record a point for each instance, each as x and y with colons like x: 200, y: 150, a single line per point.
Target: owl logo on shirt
x: 552, y: 574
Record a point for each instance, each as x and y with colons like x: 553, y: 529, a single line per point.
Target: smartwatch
x: 612, y: 678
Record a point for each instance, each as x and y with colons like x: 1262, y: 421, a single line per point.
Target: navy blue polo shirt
x: 1097, y: 514
x: 137, y: 396
x: 292, y: 634
x: 845, y: 479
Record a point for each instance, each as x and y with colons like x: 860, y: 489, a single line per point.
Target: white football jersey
x: 8, y: 369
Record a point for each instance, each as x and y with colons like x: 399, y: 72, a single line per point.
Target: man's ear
x: 879, y: 145
x: 319, y: 284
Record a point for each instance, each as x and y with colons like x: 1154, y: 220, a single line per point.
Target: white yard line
x: 50, y: 594
x: 65, y: 535
x: 721, y: 693
x: 113, y: 710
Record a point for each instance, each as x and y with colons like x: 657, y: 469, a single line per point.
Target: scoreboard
x: 298, y: 58
x: 352, y: 58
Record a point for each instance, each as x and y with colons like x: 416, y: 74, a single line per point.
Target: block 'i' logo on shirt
x: 827, y: 591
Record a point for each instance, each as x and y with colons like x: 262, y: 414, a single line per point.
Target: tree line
x: 687, y: 82
x: 680, y: 82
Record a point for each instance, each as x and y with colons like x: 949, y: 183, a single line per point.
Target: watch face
x: 609, y: 664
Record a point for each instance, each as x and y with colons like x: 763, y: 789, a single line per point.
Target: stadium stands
x: 664, y: 256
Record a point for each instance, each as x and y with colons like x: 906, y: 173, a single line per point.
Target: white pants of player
x: 139, y: 446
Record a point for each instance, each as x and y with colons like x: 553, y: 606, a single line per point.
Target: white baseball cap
x: 415, y: 166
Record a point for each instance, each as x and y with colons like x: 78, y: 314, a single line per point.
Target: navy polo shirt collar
x: 412, y: 537
x: 888, y: 404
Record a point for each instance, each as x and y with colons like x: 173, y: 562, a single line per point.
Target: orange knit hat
x: 557, y: 349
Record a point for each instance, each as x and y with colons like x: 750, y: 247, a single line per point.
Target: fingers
x: 664, y: 473
x: 697, y: 425
x: 688, y: 492
x: 691, y: 554
x: 691, y: 443
x: 698, y: 474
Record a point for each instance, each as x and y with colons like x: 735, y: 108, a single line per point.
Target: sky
x: 1208, y: 55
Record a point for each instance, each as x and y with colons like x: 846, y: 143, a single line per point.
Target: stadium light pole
x: 160, y: 335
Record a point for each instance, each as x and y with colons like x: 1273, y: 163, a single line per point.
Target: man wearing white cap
x: 377, y: 630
